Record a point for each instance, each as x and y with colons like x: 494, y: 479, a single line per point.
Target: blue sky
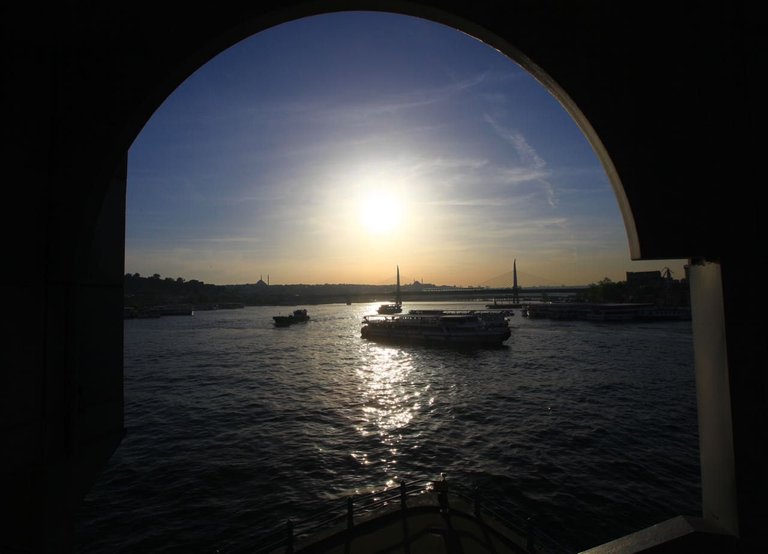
x: 333, y: 148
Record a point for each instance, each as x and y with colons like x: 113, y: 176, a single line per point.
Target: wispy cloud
x: 531, y: 161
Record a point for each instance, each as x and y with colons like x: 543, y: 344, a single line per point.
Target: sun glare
x: 379, y: 213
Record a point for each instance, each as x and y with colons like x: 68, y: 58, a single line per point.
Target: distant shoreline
x: 145, y: 292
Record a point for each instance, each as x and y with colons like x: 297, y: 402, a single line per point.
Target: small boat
x: 298, y: 316
x: 389, y: 309
x: 437, y: 328
x: 397, y: 307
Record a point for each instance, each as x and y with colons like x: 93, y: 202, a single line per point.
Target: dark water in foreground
x: 235, y: 426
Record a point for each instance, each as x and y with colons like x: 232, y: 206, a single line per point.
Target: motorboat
x: 298, y: 316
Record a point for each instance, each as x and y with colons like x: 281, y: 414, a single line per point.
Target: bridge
x: 504, y: 293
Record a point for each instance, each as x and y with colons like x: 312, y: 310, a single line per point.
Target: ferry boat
x: 437, y: 328
x: 492, y: 317
x: 298, y: 316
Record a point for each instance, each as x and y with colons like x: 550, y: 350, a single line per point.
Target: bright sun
x: 379, y: 213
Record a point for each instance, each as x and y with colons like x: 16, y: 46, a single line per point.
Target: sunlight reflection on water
x: 389, y: 402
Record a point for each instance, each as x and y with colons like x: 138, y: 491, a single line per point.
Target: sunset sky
x: 333, y: 148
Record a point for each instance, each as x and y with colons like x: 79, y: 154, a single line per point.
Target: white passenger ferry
x: 438, y: 327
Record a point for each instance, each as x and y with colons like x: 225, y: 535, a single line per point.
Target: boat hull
x: 452, y: 341
x: 444, y: 331
x: 285, y: 321
x: 298, y: 316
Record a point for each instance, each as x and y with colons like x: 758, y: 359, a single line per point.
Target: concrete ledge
x: 679, y: 534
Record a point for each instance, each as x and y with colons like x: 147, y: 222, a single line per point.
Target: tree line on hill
x: 661, y: 292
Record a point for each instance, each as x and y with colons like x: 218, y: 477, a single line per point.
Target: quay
x: 614, y: 312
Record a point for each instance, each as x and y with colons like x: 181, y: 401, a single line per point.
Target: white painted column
x: 718, y: 476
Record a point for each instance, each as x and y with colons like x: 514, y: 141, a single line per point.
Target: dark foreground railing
x: 349, y: 515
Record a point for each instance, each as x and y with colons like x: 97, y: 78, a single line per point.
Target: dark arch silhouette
x: 662, y: 91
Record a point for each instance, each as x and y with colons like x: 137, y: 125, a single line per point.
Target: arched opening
x: 77, y: 108
x: 612, y: 173
x: 390, y: 159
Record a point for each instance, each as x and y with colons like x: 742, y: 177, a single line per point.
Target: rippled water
x: 235, y: 426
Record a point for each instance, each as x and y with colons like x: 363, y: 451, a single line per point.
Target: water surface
x: 234, y: 426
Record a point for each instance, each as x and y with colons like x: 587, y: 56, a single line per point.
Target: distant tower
x: 398, y: 301
x: 515, y: 296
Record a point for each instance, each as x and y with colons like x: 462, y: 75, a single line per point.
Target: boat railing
x: 354, y: 510
x: 333, y: 517
x: 481, y: 313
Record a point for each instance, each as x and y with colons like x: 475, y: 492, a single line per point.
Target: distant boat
x: 503, y: 306
x: 298, y: 316
x: 608, y: 312
x: 437, y: 328
x: 389, y: 309
x: 397, y: 307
